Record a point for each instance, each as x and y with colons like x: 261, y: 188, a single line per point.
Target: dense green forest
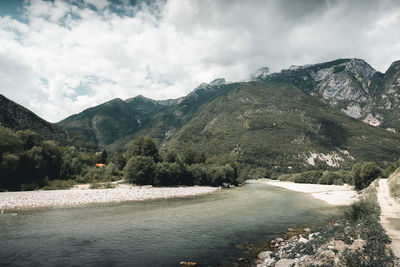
x: 28, y: 163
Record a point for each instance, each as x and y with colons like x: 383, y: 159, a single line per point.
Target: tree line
x: 361, y: 176
x: 28, y: 163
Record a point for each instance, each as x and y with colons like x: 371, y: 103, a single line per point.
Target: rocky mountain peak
x: 396, y: 65
x: 217, y: 81
x: 141, y: 98
x: 260, y: 74
x: 213, y: 83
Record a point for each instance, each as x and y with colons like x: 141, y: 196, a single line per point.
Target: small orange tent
x: 99, y: 165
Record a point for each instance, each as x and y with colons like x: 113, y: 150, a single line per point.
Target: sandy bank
x: 83, y: 196
x: 336, y: 195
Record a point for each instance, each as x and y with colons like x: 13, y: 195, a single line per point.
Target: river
x: 205, y: 229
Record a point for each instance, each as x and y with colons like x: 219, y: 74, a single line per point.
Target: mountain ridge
x: 350, y: 87
x: 17, y: 117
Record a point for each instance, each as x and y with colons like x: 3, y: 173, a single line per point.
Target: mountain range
x: 334, y: 113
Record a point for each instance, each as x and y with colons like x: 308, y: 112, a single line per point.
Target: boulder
x: 269, y: 262
x: 264, y: 255
x: 303, y: 240
x: 313, y: 235
x: 285, y: 263
x: 340, y: 246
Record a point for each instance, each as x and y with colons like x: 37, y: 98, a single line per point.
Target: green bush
x: 191, y: 156
x: 362, y: 210
x: 345, y: 176
x: 140, y: 170
x: 99, y: 174
x: 167, y: 173
x: 364, y: 174
x: 142, y: 146
x: 310, y: 177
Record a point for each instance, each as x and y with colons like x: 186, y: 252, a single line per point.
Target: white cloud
x: 62, y: 57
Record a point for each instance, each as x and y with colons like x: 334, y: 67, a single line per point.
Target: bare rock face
x: 350, y: 85
x: 346, y: 81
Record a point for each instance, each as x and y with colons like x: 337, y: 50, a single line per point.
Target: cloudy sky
x: 60, y: 57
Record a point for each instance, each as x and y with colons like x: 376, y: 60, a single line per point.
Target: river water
x: 204, y: 229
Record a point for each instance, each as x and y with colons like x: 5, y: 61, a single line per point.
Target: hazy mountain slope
x: 166, y: 123
x: 275, y: 124
x: 106, y: 123
x: 114, y: 123
x: 16, y: 117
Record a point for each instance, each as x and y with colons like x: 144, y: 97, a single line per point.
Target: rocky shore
x: 84, y: 196
x: 305, y: 250
x: 356, y: 239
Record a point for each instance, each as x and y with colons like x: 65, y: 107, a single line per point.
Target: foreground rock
x: 310, y: 250
x: 79, y: 196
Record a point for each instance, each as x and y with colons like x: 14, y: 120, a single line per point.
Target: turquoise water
x: 204, y: 229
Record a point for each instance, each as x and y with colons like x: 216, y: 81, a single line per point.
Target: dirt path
x: 390, y: 216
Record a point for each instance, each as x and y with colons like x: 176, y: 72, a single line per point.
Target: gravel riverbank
x: 83, y: 196
x: 335, y: 195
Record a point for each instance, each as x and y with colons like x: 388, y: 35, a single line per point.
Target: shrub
x: 140, y: 170
x: 142, y: 146
x: 167, y: 173
x: 345, y: 176
x: 362, y: 209
x: 191, y: 156
x: 94, y: 185
x: 364, y: 174
x: 284, y: 177
x: 198, y: 172
x: 59, y: 184
x: 109, y: 185
x: 310, y: 177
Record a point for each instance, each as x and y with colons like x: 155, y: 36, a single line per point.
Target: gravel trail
x: 390, y: 216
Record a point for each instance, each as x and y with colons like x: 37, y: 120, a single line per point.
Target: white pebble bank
x: 78, y: 196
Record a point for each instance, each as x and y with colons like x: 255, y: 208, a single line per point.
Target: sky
x: 60, y: 57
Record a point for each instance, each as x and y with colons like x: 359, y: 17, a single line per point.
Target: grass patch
x: 106, y: 185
